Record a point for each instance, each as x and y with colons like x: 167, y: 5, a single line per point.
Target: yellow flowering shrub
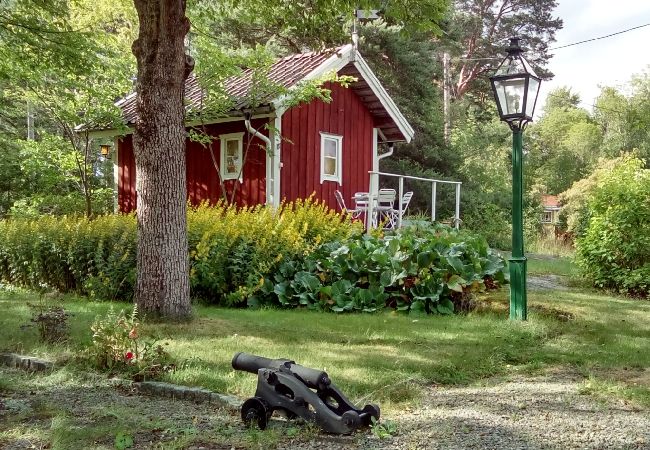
x: 231, y: 249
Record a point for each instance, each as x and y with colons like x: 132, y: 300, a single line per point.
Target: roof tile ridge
x: 324, y: 51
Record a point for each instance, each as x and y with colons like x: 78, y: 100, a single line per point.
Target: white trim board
x: 340, y: 59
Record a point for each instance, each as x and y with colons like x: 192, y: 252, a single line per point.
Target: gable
x: 289, y: 71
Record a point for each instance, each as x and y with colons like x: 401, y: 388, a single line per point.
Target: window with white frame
x: 231, y: 155
x: 331, y: 146
x: 547, y: 217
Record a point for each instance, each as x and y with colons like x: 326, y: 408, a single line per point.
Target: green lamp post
x: 515, y: 86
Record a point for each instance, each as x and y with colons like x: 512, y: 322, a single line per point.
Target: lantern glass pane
x: 533, y: 87
x: 528, y: 67
x: 511, y: 66
x: 511, y: 95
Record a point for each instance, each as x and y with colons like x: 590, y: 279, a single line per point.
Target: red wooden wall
x: 202, y: 181
x: 345, y: 115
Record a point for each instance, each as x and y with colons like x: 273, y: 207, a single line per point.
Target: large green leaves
x: 416, y: 270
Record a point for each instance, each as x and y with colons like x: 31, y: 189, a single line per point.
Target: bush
x: 231, y: 249
x: 300, y: 255
x: 433, y: 269
x: 614, y: 251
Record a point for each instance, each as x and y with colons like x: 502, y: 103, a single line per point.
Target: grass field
x: 387, y: 358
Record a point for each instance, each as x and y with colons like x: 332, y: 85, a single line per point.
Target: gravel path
x: 527, y: 413
x: 547, y: 282
x: 544, y: 412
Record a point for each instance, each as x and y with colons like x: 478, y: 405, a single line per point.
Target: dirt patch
x: 630, y: 376
x: 547, y: 282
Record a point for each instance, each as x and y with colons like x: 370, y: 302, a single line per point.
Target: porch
x: 389, y: 201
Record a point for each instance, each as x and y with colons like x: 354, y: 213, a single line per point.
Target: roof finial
x: 364, y: 15
x: 355, y: 38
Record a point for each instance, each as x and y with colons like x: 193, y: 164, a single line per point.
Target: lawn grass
x: 387, y: 358
x: 562, y: 266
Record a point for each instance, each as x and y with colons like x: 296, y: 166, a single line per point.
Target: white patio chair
x: 344, y: 209
x: 406, y: 200
x: 385, y: 207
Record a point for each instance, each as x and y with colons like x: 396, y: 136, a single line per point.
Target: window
x: 330, y: 157
x: 231, y: 155
x: 547, y: 217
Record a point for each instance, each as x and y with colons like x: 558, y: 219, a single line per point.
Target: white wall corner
x: 116, y: 173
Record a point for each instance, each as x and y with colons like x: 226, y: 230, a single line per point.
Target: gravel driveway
x: 525, y: 413
x: 546, y: 412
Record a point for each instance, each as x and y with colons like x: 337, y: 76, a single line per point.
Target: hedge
x: 302, y: 255
x: 231, y: 249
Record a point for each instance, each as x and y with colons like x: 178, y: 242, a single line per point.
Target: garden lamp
x: 515, y: 86
x: 105, y: 150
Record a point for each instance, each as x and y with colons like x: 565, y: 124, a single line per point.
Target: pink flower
x: 133, y: 334
x: 128, y: 356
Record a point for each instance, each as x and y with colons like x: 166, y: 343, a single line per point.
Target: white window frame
x: 338, y: 176
x: 224, y: 138
x: 547, y: 217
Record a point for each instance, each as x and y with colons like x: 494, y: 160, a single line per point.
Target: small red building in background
x: 312, y: 148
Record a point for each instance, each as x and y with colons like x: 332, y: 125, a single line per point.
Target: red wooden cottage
x: 312, y: 148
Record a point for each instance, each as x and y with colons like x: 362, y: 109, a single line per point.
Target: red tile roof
x: 285, y: 72
x: 550, y: 201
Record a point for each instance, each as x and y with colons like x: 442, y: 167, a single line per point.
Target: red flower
x: 129, y: 356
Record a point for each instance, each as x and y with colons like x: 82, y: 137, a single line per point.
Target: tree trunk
x: 162, y: 287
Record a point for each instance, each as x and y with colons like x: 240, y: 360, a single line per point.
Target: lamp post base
x: 518, y: 298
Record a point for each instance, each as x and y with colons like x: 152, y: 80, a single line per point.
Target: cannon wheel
x: 373, y: 411
x: 351, y: 419
x: 256, y: 411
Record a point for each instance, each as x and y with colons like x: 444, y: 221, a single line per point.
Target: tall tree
x: 479, y: 30
x: 162, y: 286
x: 565, y: 143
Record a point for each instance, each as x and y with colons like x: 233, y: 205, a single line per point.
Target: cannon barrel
x: 315, y: 379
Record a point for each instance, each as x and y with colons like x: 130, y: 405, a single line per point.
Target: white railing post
x: 371, y: 195
x: 457, y: 205
x: 434, y: 187
x: 399, y: 201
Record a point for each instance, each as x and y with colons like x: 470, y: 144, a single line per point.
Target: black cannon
x: 283, y: 385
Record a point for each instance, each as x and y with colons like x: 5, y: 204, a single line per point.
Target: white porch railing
x: 373, y: 193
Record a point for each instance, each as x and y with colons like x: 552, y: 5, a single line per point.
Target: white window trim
x: 338, y: 177
x: 224, y: 138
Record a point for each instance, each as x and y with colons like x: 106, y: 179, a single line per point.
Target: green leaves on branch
x: 614, y: 251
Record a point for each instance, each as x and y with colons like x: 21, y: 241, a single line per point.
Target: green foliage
x: 614, y: 251
x: 117, y: 344
x: 71, y: 254
x: 420, y: 270
x: 123, y: 441
x: 302, y: 24
x: 231, y: 249
x: 565, y: 143
x: 383, y: 429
